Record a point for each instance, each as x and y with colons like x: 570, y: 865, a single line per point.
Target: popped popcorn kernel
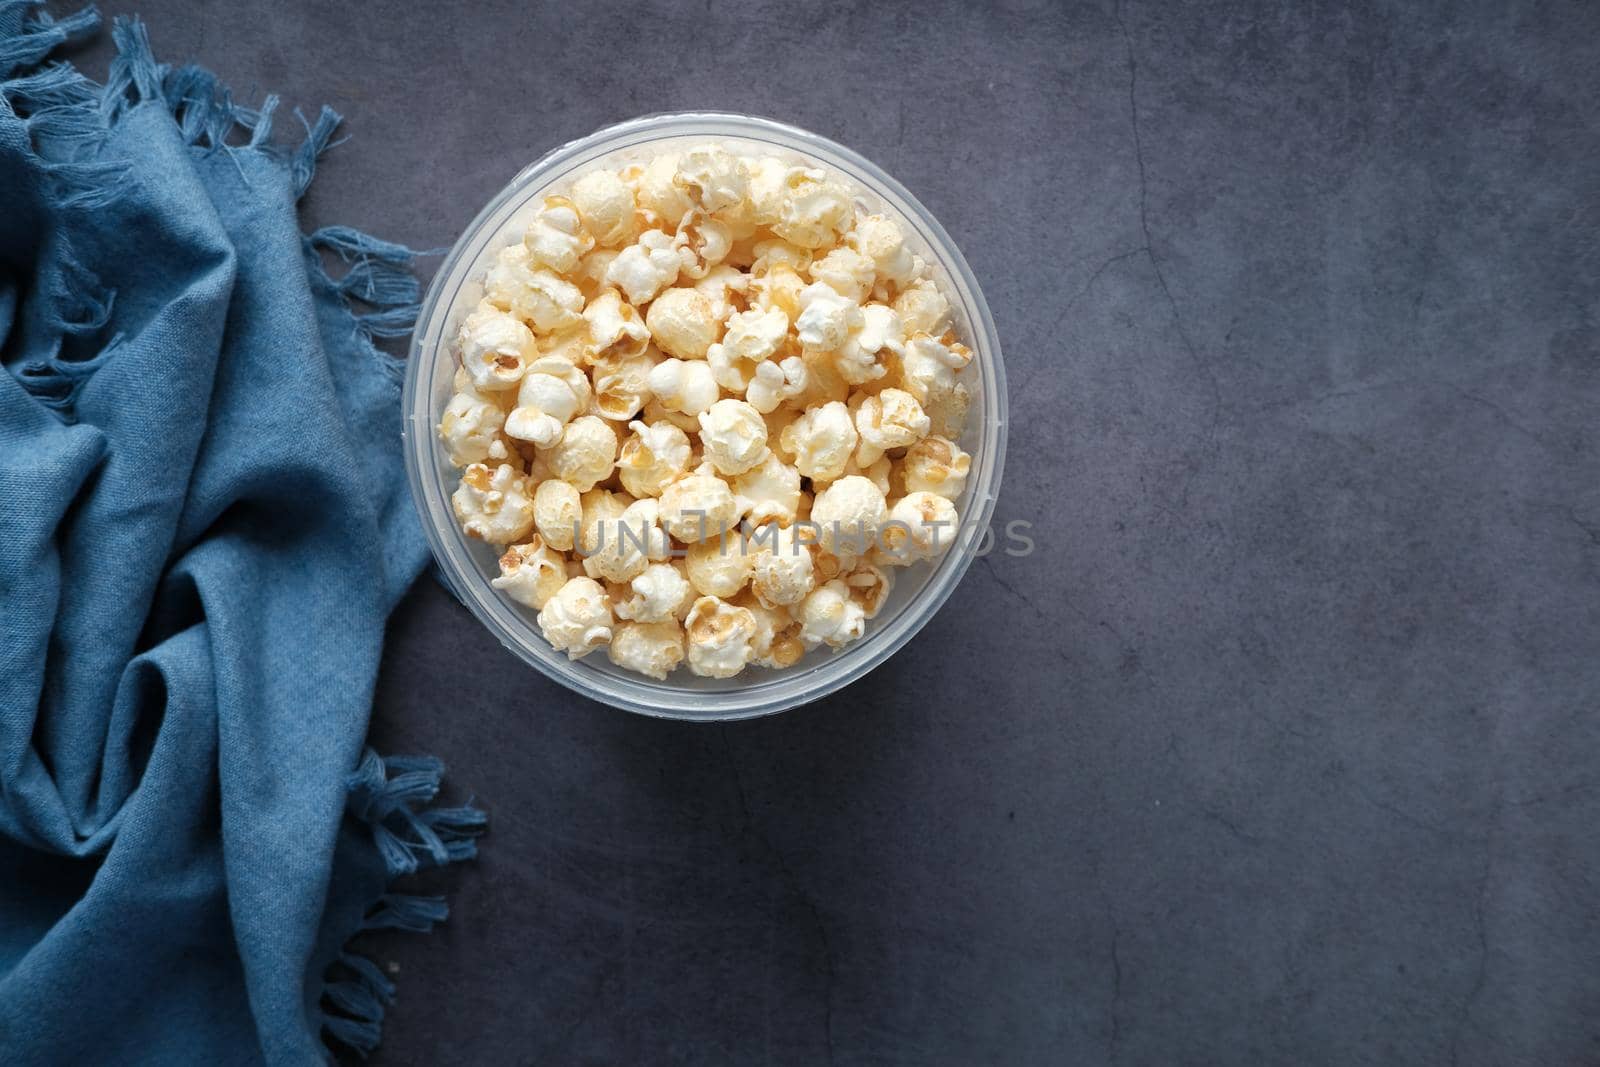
x: 531, y: 573
x: 721, y: 638
x: 577, y: 618
x: 888, y: 420
x: 644, y: 268
x: 556, y: 237
x: 653, y: 456
x: 698, y: 506
x: 849, y: 513
x: 829, y: 615
x: 718, y: 566
x: 822, y: 441
x: 552, y: 392
x: 782, y: 570
x: 653, y: 649
x: 935, y: 465
x: 557, y: 511
x: 586, y: 453
x: 495, y: 348
x: 685, y: 386
x: 607, y: 207
x: 469, y: 427
x: 683, y: 324
x: 659, y: 593
x: 733, y: 436
x: 493, y: 506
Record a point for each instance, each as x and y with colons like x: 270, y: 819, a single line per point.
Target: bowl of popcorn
x: 705, y: 416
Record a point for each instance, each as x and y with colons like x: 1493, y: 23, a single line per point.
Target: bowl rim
x: 781, y: 690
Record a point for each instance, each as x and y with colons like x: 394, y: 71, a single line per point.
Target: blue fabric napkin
x: 203, y: 526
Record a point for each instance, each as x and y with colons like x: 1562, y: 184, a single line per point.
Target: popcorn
x: 891, y: 419
x: 556, y: 512
x: 589, y: 276
x: 652, y: 457
x: 653, y: 649
x: 779, y: 253
x: 874, y: 332
x: 768, y: 492
x: 698, y: 506
x: 815, y: 211
x: 777, y: 641
x: 920, y: 526
x: 682, y: 323
x: 607, y: 206
x: 824, y: 564
x: 713, y: 178
x: 733, y: 435
x: 720, y: 638
x: 849, y: 513
x: 656, y: 192
x: 470, y: 424
x: 624, y: 546
x: 551, y: 393
x: 702, y: 242
x: 495, y: 348
x: 531, y: 573
x: 882, y: 241
x: 923, y: 308
x: 880, y: 474
x: 781, y: 567
x: 569, y: 346
x: 828, y: 615
x: 847, y: 272
x: 724, y: 288
x: 493, y: 506
x: 577, y: 618
x: 822, y: 441
x: 500, y: 451
x: 779, y: 420
x: 751, y: 338
x: 928, y: 366
x: 687, y: 386
x: 659, y: 593
x: 826, y: 319
x: 773, y: 383
x: 615, y: 329
x: 880, y: 329
x: 947, y: 410
x: 870, y: 586
x: 784, y: 366
x: 645, y: 268
x: 935, y: 465
x: 601, y: 511
x: 531, y: 292
x: 622, y: 385
x: 556, y: 237
x: 778, y: 289
x: 718, y: 566
x: 586, y: 453
x: 768, y: 182
x: 655, y: 411
x: 824, y: 381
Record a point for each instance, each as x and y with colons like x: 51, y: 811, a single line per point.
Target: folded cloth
x: 203, y: 526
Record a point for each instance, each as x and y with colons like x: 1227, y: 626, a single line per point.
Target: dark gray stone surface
x: 1285, y: 748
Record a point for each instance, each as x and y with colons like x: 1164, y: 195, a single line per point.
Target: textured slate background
x: 1283, y: 750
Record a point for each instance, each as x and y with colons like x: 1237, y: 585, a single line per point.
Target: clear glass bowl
x: 468, y: 565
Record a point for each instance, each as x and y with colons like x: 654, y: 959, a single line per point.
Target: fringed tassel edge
x: 395, y: 798
x: 379, y: 276
x: 58, y: 106
x: 69, y: 118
